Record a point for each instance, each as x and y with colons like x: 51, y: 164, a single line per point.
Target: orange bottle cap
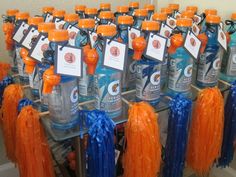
x: 192, y: 8
x: 58, y: 13
x: 91, y: 60
x: 46, y: 27
x: 80, y: 8
x: 233, y: 16
x: 134, y: 4
x: 91, y: 11
x: 187, y: 14
x: 139, y: 45
x: 24, y: 52
x: 106, y: 30
x: 125, y: 20
x: 106, y: 15
x: 141, y: 13
x: 58, y: 35
x: 29, y: 64
x: 71, y: 17
x: 105, y: 6
x: 122, y: 9
x: 149, y: 7
x: 210, y: 12
x: 174, y: 6
x: 50, y: 80
x: 86, y: 23
x: 12, y: 12
x: 35, y: 20
x: 184, y: 22
x: 159, y: 17
x: 22, y: 16
x: 150, y: 26
x: 213, y: 19
x: 166, y: 10
x: 48, y: 9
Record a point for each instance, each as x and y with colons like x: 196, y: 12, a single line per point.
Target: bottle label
x: 108, y: 92
x: 85, y: 83
x: 148, y: 82
x: 209, y: 67
x: 180, y: 75
x: 34, y: 80
x: 231, y: 66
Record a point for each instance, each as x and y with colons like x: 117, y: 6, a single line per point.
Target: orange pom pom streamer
x: 32, y: 151
x: 11, y: 96
x: 142, y: 156
x: 4, y: 70
x: 8, y: 29
x: 206, y: 131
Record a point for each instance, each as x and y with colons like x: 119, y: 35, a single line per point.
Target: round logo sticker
x: 74, y: 96
x: 94, y: 38
x: 133, y: 35
x: 216, y: 64
x: 172, y: 23
x: 167, y: 33
x: 156, y: 44
x: 114, y: 88
x: 72, y: 35
x: 115, y: 51
x: 44, y: 47
x: 222, y: 35
x: 155, y: 78
x: 192, y: 42
x: 188, y: 71
x: 69, y: 58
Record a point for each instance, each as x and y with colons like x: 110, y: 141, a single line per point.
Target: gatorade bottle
x: 47, y: 10
x: 33, y: 76
x: 80, y: 9
x: 148, y: 71
x: 106, y: 17
x: 206, y: 13
x: 107, y: 81
x: 132, y: 7
x: 24, y: 78
x: 105, y: 7
x: 120, y: 11
x: 161, y: 18
x: 139, y: 16
x: 8, y: 29
x: 86, y: 86
x: 124, y: 22
x: 150, y: 8
x: 43, y: 28
x: 181, y: 63
x: 91, y: 13
x: 58, y: 16
x: 70, y: 19
x: 228, y: 68
x: 63, y: 99
x: 210, y: 61
x: 174, y: 8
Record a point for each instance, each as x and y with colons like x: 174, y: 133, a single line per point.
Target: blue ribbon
x: 24, y: 102
x: 227, y: 149
x: 3, y: 84
x: 174, y: 155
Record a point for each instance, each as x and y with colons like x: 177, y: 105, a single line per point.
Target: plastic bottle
x: 91, y: 13
x: 206, y: 13
x: 105, y: 7
x: 139, y: 16
x: 210, y: 61
x: 24, y: 78
x: 181, y: 63
x: 43, y: 28
x: 150, y: 8
x: 46, y: 10
x: 70, y: 19
x: 161, y: 18
x: 228, y: 68
x: 63, y: 99
x: 120, y: 11
x: 148, y: 71
x: 132, y: 7
x: 86, y: 86
x: 59, y: 16
x: 106, y: 17
x: 107, y: 81
x: 174, y: 8
x: 124, y: 22
x: 80, y: 9
x: 8, y: 31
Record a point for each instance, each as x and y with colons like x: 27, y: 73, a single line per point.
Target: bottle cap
x: 122, y: 9
x: 150, y: 26
x: 80, y: 8
x: 159, y: 17
x: 105, y: 6
x: 134, y: 4
x: 86, y: 23
x: 166, y: 10
x: 106, y: 30
x: 91, y: 11
x: 22, y: 16
x: 12, y: 12
x: 46, y: 27
x: 149, y: 7
x: 125, y: 20
x: 210, y: 12
x: 141, y: 13
x: 174, y: 6
x: 58, y: 13
x: 184, y: 22
x: 35, y: 20
x: 71, y: 17
x: 58, y: 35
x: 215, y: 19
x: 192, y: 8
x: 106, y: 15
x: 233, y: 16
x: 187, y: 14
x: 48, y: 9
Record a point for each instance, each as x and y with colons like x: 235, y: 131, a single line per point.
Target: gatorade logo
x: 188, y: 71
x: 132, y: 67
x: 74, y: 96
x: 114, y: 88
x: 234, y: 59
x: 216, y: 64
x: 155, y: 78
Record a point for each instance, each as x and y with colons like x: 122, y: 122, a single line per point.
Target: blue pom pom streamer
x: 227, y: 149
x: 174, y: 155
x: 3, y: 84
x: 24, y: 102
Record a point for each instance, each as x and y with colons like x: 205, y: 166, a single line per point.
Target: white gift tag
x: 171, y: 22
x: 30, y: 37
x: 72, y: 30
x: 20, y: 32
x: 197, y: 19
x: 192, y: 44
x: 132, y: 34
x: 156, y: 47
x: 222, y: 25
x: 93, y: 37
x: 115, y: 54
x: 41, y: 45
x: 48, y: 18
x: 68, y: 60
x: 177, y: 14
x: 195, y: 29
x: 222, y: 38
x: 59, y: 23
